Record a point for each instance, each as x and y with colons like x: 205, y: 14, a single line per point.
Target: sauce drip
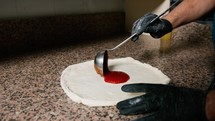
x: 116, y: 77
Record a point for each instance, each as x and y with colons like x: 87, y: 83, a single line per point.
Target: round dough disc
x: 83, y: 85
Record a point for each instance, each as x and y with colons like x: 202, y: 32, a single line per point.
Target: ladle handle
x: 123, y: 42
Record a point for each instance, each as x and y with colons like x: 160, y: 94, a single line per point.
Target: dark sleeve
x: 212, y: 85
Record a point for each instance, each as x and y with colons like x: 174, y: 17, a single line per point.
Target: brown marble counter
x: 30, y: 83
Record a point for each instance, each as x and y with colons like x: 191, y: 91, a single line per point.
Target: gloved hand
x: 157, y: 29
x: 164, y: 103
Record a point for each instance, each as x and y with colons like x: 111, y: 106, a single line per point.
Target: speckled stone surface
x: 30, y: 83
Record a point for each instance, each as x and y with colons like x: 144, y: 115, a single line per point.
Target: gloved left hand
x: 164, y: 103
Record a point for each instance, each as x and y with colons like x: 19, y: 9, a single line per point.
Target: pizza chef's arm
x: 186, y: 12
x: 210, y: 106
x: 164, y: 103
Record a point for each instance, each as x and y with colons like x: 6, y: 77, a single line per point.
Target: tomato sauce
x: 116, y: 77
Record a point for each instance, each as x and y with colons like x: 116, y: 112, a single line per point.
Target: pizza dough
x: 83, y: 85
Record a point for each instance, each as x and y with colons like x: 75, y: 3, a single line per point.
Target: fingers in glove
x: 139, y: 105
x: 142, y: 87
x: 140, y: 25
x: 132, y: 102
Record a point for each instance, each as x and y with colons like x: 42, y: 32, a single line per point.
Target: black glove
x: 157, y: 29
x: 164, y: 103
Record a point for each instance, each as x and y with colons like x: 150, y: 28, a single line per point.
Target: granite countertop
x: 30, y: 83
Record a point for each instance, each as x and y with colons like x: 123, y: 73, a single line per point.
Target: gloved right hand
x: 157, y: 29
x: 164, y: 103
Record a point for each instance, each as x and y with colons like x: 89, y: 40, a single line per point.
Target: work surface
x: 30, y: 83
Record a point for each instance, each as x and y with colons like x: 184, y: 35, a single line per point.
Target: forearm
x: 188, y: 11
x: 210, y: 106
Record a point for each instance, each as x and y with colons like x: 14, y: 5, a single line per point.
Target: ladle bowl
x: 101, y: 59
x: 101, y: 62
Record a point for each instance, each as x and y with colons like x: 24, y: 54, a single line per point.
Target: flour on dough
x: 83, y: 85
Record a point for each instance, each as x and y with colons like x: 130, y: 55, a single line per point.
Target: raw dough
x: 83, y: 85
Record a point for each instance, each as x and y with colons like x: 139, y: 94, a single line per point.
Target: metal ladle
x: 101, y: 59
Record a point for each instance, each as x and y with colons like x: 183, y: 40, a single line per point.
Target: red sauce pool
x: 116, y: 77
